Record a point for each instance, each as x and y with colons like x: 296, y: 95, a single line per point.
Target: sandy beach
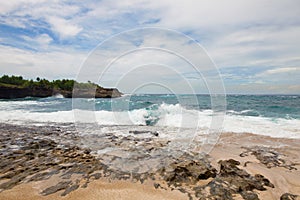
x: 285, y: 180
x: 240, y: 166
x: 149, y: 100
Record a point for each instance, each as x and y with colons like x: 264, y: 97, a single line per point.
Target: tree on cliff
x: 17, y: 87
x: 15, y: 80
x: 64, y: 84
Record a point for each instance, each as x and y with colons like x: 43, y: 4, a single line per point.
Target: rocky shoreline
x: 35, y: 154
x: 42, y: 92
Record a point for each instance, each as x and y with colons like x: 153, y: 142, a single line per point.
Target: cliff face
x: 92, y: 93
x: 16, y: 92
x: 19, y: 92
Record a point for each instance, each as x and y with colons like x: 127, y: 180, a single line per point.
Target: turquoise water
x: 270, y: 106
x: 272, y: 115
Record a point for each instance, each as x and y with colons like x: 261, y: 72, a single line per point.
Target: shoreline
x: 276, y: 160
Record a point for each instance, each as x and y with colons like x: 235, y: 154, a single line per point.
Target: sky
x: 253, y: 44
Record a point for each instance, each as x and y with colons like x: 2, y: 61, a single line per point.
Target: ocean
x: 271, y: 115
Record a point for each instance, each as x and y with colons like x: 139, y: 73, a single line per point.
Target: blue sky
x: 255, y: 44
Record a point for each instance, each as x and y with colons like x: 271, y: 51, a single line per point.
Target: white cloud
x: 54, y: 64
x: 257, y: 46
x: 286, y: 79
x: 236, y: 33
x: 291, y: 74
x: 283, y: 70
x: 58, y: 14
x: 40, y: 42
x: 9, y: 6
x: 212, y: 13
x: 64, y: 27
x: 44, y: 39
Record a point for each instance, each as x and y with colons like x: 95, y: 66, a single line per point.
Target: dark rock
x: 229, y: 168
x: 97, y: 92
x: 156, y: 185
x: 56, y: 188
x: 240, y: 178
x: 155, y: 133
x: 233, y: 180
x: 17, y: 92
x: 85, y: 184
x: 288, y: 196
x: 182, y: 190
x: 12, y: 182
x: 188, y: 171
x: 216, y: 189
x: 38, y: 159
x: 96, y: 175
x: 70, y: 189
x: 13, y: 92
x: 249, y: 195
x: 39, y: 156
x: 43, y: 176
x: 263, y: 180
x: 220, y: 190
x: 269, y: 157
x: 246, y: 163
x: 87, y: 151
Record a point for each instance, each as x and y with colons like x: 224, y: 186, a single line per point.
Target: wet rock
x: 249, y: 195
x: 229, y: 168
x: 70, y: 189
x: 87, y: 151
x: 155, y: 133
x: 216, y: 189
x: 233, y: 180
x: 288, y: 196
x: 85, y: 184
x: 156, y: 185
x: 260, y: 178
x: 56, y: 188
x: 28, y: 156
x: 240, y: 178
x: 269, y: 157
x: 43, y: 176
x: 96, y: 175
x: 12, y: 182
x: 31, y: 154
x: 125, y: 176
x: 188, y: 171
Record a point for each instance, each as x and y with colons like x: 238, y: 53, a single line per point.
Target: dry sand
x: 97, y: 190
x: 285, y: 180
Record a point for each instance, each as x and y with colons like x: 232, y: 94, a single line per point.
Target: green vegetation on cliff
x: 17, y: 87
x: 64, y: 84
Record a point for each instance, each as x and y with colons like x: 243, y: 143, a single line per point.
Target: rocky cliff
x: 11, y: 92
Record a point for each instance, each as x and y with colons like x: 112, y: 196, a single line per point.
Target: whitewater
x: 271, y: 115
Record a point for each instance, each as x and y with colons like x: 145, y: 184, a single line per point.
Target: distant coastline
x: 12, y: 87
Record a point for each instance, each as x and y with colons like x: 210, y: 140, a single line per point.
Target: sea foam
x: 163, y: 115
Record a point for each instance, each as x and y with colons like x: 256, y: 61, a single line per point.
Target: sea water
x: 272, y: 115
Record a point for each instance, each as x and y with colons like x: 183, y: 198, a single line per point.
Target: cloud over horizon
x: 255, y: 44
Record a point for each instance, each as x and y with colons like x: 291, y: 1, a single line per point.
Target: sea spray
x: 276, y: 116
